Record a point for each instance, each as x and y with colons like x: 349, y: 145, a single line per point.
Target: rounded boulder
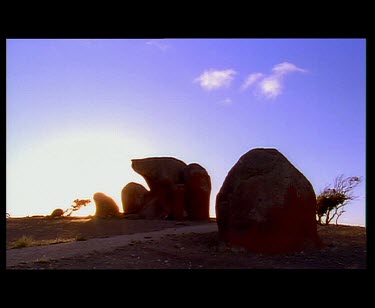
x: 266, y: 205
x: 106, y: 207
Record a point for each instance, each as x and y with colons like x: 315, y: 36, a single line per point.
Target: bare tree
x: 331, y: 201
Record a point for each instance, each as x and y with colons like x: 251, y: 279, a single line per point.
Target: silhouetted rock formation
x: 106, y: 207
x: 198, y: 190
x: 266, y: 205
x: 177, y: 191
x: 57, y: 213
x: 161, y: 175
x: 160, y: 172
x: 133, y: 197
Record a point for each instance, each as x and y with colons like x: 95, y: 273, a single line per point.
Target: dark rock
x: 266, y: 205
x: 106, y: 207
x: 160, y: 171
x: 177, y: 191
x: 57, y: 213
x: 198, y: 190
x: 178, y: 202
x: 133, y: 197
x: 154, y: 209
x: 161, y: 175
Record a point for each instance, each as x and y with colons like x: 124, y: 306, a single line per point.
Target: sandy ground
x: 125, y: 244
x: 97, y: 245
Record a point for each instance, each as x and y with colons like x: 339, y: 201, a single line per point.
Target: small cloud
x: 159, y: 44
x: 271, y: 87
x: 285, y: 68
x: 215, y: 79
x: 251, y: 79
x: 226, y: 102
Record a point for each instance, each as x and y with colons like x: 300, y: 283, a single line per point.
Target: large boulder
x: 266, y: 205
x: 178, y: 202
x: 198, y: 190
x: 106, y: 207
x: 133, y: 197
x: 155, y: 208
x: 161, y: 174
x: 177, y: 190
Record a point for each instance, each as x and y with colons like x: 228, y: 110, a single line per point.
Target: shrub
x: 331, y: 201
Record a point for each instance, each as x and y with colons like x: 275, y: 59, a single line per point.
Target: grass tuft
x: 23, y: 241
x: 27, y: 241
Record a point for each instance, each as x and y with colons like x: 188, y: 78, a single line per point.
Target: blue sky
x: 78, y: 111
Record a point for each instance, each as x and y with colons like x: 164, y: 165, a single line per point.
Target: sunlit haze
x: 78, y: 111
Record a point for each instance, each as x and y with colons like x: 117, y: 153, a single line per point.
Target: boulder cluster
x: 265, y: 204
x: 177, y: 191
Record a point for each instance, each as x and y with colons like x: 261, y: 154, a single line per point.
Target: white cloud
x: 271, y: 86
x: 159, y: 44
x: 215, y: 79
x: 285, y: 68
x: 251, y: 79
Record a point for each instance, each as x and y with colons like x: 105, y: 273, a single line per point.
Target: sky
x: 78, y: 111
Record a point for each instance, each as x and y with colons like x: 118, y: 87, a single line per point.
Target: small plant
x: 75, y: 207
x: 23, y: 241
x: 26, y: 241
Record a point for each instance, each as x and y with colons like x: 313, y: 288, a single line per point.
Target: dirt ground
x: 345, y: 246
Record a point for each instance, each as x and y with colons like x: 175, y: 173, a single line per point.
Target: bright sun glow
x: 53, y: 174
x: 79, y: 110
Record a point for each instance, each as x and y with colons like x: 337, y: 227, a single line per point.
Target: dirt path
x: 125, y: 244
x: 79, y: 248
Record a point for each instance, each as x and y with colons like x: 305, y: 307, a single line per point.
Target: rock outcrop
x: 266, y: 205
x: 106, y: 207
x: 160, y: 172
x: 133, y: 197
x: 57, y: 213
x: 177, y: 191
x: 198, y: 190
